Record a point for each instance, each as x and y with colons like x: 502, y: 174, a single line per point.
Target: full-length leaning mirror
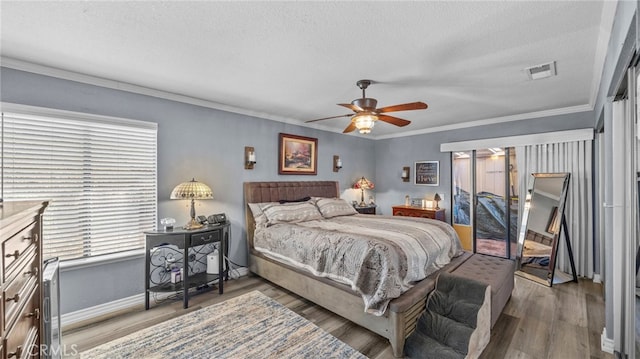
x: 540, y: 236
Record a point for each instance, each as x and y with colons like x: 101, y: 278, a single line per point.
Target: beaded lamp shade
x: 363, y: 184
x: 192, y: 190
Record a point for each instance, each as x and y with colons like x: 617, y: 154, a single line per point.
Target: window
x: 98, y: 173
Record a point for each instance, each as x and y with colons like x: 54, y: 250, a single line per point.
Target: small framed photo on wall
x: 427, y: 173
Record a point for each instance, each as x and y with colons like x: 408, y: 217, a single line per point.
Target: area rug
x: 249, y: 326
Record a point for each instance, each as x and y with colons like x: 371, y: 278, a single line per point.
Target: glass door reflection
x: 496, y: 206
x: 462, y: 215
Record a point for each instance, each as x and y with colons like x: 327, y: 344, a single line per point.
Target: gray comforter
x: 378, y: 256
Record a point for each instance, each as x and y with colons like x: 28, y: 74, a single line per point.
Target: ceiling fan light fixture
x: 367, y: 113
x: 364, y: 122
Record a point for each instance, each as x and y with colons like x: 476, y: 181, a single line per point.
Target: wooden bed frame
x: 400, y: 318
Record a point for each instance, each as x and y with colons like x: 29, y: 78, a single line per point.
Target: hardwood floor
x: 538, y: 322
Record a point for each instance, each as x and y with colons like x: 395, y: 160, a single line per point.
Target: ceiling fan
x: 366, y: 113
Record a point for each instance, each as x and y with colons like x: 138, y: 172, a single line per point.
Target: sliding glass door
x: 485, y: 200
x: 462, y: 217
x: 495, y: 191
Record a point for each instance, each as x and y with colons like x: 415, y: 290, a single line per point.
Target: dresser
x: 409, y: 211
x: 21, y: 278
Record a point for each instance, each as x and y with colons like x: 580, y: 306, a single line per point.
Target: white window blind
x: 99, y: 176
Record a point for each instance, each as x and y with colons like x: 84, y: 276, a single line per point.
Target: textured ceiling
x: 294, y: 61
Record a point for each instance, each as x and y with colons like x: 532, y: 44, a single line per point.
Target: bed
x: 398, y: 319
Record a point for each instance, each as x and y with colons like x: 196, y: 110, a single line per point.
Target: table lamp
x: 192, y: 190
x: 437, y: 199
x: 363, y: 184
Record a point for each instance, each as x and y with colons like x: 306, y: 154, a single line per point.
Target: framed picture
x: 298, y: 155
x: 427, y: 173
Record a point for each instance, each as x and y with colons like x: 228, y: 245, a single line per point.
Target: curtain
x: 575, y: 158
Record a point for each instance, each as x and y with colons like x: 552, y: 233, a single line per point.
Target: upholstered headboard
x: 257, y: 192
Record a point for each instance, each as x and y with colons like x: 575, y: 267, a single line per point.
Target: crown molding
x: 606, y: 26
x: 21, y: 65
x: 491, y: 121
x: 44, y: 70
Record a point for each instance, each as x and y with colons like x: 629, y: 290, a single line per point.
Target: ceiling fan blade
x: 351, y: 106
x: 350, y: 128
x: 403, y: 107
x: 393, y: 120
x: 328, y: 118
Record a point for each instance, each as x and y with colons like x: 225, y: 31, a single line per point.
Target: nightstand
x: 409, y: 211
x: 366, y: 210
x: 191, y: 254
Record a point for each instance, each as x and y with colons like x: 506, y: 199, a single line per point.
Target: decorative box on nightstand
x: 409, y: 211
x: 366, y: 209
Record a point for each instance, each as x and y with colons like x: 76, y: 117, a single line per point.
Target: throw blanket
x: 380, y: 257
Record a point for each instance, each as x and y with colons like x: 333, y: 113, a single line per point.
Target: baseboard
x: 606, y: 344
x: 596, y: 278
x: 87, y: 314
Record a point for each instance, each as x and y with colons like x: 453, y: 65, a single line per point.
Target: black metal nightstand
x: 186, y: 240
x: 366, y: 210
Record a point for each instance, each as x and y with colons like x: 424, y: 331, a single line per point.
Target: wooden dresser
x: 409, y: 211
x: 21, y: 278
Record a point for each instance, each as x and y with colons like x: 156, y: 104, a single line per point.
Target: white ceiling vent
x: 541, y: 71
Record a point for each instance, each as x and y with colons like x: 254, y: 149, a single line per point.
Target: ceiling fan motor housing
x: 366, y: 103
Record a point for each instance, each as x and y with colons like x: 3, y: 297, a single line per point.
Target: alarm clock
x: 217, y: 218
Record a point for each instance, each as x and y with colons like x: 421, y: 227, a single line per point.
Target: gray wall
x: 192, y: 142
x: 209, y: 145
x: 395, y: 153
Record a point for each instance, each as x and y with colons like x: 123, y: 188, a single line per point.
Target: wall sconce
x: 337, y: 163
x: 405, y: 174
x: 249, y: 158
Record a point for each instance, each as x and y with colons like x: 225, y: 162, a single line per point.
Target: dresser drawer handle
x: 33, y: 272
x: 36, y: 314
x: 17, y: 353
x: 14, y: 254
x: 15, y: 298
x: 206, y: 239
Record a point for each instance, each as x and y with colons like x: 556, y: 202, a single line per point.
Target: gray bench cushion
x: 456, y: 322
x: 493, y: 271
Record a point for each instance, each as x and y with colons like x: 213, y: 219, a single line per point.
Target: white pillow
x: 293, y: 212
x: 334, y: 207
x: 258, y: 216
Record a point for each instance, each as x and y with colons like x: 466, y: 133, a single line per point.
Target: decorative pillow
x: 334, y: 207
x: 290, y: 212
x: 258, y: 216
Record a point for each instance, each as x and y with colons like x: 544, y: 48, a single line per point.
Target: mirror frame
x: 552, y: 277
